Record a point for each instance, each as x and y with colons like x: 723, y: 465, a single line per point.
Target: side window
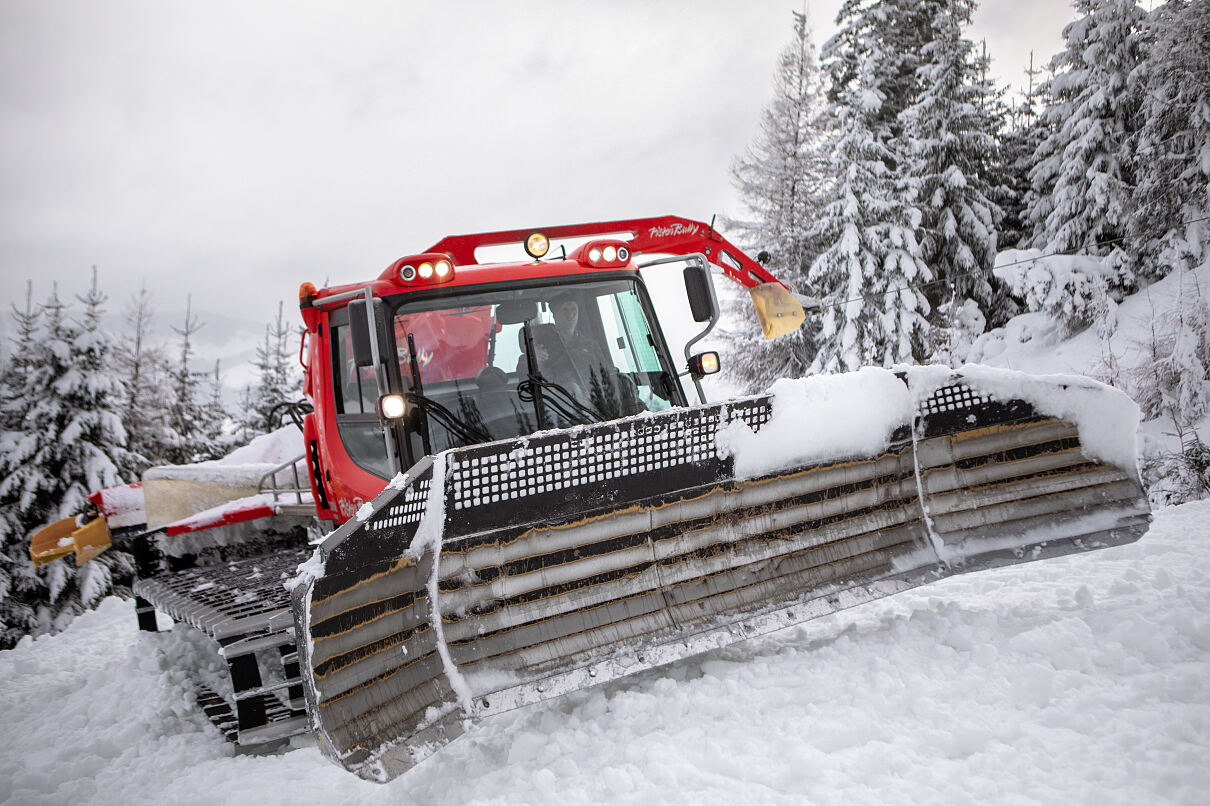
x: 631, y: 348
x: 626, y: 333
x: 355, y: 388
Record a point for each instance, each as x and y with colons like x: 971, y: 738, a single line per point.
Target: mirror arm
x: 714, y: 317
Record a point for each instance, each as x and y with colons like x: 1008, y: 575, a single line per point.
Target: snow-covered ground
x: 1079, y: 680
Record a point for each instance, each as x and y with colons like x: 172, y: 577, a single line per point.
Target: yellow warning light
x: 537, y: 245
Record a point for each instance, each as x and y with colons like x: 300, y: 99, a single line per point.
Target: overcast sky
x: 236, y: 149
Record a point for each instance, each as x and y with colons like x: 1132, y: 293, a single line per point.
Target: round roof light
x: 407, y: 273
x: 594, y: 254
x: 623, y: 253
x: 537, y: 245
x: 443, y: 269
x: 425, y: 271
x: 610, y: 254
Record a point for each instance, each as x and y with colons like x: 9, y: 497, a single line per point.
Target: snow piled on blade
x: 1108, y: 420
x: 820, y: 418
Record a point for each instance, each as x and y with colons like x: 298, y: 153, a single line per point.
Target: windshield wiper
x: 534, y: 388
x: 465, y: 432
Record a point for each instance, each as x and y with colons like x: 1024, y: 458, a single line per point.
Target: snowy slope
x: 1082, y: 679
x: 1034, y: 343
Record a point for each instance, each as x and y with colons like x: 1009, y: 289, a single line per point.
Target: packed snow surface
x: 1076, y: 680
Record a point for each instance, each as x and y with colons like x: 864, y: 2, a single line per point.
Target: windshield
x: 470, y: 369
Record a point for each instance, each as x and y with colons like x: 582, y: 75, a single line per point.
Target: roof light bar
x: 420, y: 269
x: 603, y: 254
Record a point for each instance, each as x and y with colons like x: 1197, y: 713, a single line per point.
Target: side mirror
x: 359, y: 329
x: 700, y: 290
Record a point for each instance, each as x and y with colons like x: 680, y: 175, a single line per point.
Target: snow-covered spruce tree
x: 1088, y: 161
x: 186, y: 438
x: 1018, y: 143
x: 31, y: 466
x: 21, y: 588
x: 144, y: 407
x: 877, y: 50
x: 1005, y: 184
x: 71, y: 444
x: 872, y: 267
x: 1169, y: 228
x: 780, y: 178
x: 93, y: 391
x: 215, y: 418
x: 277, y: 382
x: 246, y: 404
x: 14, y: 380
x: 952, y: 154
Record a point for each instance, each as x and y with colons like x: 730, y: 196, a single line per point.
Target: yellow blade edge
x: 779, y: 313
x: 91, y: 539
x: 52, y: 542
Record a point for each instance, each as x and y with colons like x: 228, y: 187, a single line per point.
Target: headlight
x: 392, y: 407
x: 704, y: 363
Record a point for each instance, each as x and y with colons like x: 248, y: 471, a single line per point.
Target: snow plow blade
x: 574, y: 557
x: 64, y: 537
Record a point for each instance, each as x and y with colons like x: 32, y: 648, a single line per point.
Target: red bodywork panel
x: 346, y: 485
